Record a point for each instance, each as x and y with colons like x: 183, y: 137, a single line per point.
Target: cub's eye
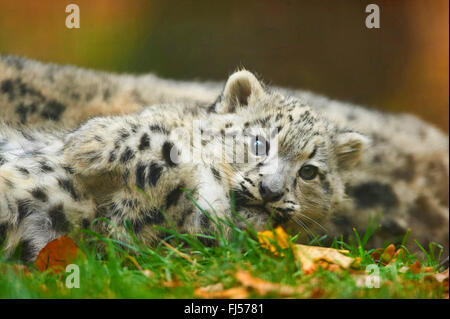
x: 259, y: 146
x: 308, y: 172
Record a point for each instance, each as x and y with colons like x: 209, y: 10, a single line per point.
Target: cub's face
x: 284, y: 163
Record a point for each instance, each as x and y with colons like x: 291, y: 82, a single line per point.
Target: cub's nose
x: 267, y: 194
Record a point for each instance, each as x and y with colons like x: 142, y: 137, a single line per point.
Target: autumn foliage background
x: 322, y: 46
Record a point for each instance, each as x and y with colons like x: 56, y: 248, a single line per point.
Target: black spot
x: 69, y: 170
x: 183, y: 217
x: 7, y: 87
x: 166, y: 148
x: 127, y: 155
x: 52, y: 110
x: 372, y: 194
x: 376, y: 159
x: 112, y: 156
x: 67, y: 185
x: 140, y: 175
x: 106, y: 94
x: 23, y: 170
x: 325, y: 183
x: 75, y: 96
x: 32, y: 108
x: 2, y: 160
x: 3, y: 232
x: 216, y: 174
x: 45, y: 168
x: 250, y: 181
x: 238, y: 198
x: 124, y: 134
x: 407, y: 171
x: 147, y: 217
x: 24, y: 209
x: 205, y: 222
x: 39, y: 194
x: 145, y: 142
x: 159, y: 129
x: 134, y: 128
x: 173, y: 197
x: 22, y: 111
x: 58, y: 218
x: 211, y: 108
x: 27, y: 251
x: 154, y: 174
x: 282, y: 217
x: 246, y: 192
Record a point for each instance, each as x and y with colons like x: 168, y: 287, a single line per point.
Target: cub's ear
x: 348, y: 148
x: 241, y: 88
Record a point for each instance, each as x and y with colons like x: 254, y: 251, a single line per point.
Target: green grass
x: 175, y: 271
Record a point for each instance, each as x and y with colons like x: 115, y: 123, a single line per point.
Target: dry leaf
x: 263, y: 287
x: 388, y: 254
x: 442, y: 277
x: 311, y: 257
x: 57, y: 254
x: 268, y: 237
x: 217, y: 292
x: 376, y: 255
x: 415, y: 268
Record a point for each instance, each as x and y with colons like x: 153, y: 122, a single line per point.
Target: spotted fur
x: 401, y: 179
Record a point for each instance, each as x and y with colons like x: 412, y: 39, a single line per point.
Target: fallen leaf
x: 217, y: 292
x: 57, y: 254
x: 376, y: 255
x: 388, y: 254
x: 263, y: 287
x: 416, y: 267
x: 311, y: 257
x: 442, y: 277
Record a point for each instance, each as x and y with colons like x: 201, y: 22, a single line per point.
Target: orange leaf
x: 217, y: 292
x: 263, y: 287
x: 312, y: 256
x: 57, y: 254
x: 415, y: 268
x: 388, y: 253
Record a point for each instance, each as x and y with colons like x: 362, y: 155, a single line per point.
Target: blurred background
x: 321, y: 46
